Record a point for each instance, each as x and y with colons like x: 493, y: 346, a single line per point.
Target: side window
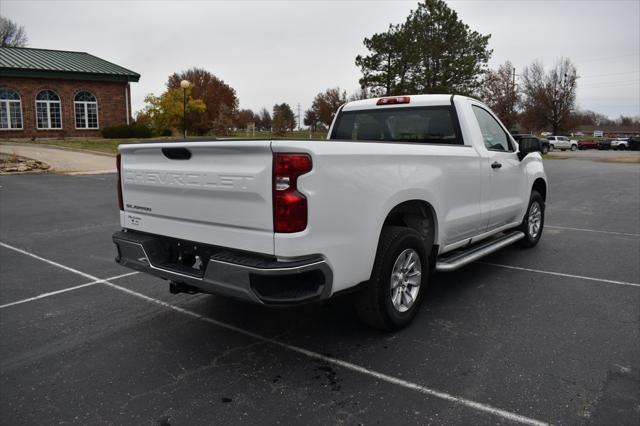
x: 494, y: 137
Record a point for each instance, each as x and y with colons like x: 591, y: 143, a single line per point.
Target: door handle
x: 496, y: 165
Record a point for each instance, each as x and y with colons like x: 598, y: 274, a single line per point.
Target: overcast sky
x: 288, y: 51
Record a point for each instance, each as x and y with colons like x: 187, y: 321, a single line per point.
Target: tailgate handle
x: 176, y: 153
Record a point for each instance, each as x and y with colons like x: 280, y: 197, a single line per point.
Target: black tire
x: 621, y: 147
x: 374, y: 302
x: 545, y: 149
x: 574, y: 147
x: 530, y: 240
x: 551, y: 147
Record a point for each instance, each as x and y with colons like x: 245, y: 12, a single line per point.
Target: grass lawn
x: 110, y: 146
x: 302, y: 134
x: 107, y: 146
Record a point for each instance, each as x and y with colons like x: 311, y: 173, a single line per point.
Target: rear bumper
x: 251, y: 277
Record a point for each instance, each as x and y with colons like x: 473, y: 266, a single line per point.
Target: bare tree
x: 326, y: 103
x: 500, y: 93
x: 263, y: 119
x: 362, y: 93
x: 311, y: 120
x: 12, y: 34
x: 243, y: 117
x: 550, y: 98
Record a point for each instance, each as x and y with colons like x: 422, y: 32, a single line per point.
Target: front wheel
x: 545, y: 149
x: 533, y: 221
x: 392, y: 297
x: 551, y: 147
x: 574, y: 147
x: 621, y: 147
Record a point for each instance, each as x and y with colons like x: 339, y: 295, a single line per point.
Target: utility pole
x: 513, y: 93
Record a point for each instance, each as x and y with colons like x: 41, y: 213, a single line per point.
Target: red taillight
x: 289, y: 205
x: 394, y: 100
x: 120, y: 202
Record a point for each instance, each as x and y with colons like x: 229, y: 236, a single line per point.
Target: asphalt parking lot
x: 549, y: 335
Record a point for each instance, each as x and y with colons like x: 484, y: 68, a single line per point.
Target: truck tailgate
x: 216, y: 193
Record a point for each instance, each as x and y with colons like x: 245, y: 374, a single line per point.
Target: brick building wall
x: 113, y: 98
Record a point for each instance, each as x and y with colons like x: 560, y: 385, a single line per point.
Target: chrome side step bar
x: 463, y: 257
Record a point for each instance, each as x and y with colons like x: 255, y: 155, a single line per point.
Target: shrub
x: 126, y: 131
x: 166, y: 132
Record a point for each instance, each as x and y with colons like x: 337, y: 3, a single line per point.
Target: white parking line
x: 64, y: 290
x: 560, y: 274
x: 508, y: 415
x: 592, y: 230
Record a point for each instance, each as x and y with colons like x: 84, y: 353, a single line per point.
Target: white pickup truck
x: 401, y: 187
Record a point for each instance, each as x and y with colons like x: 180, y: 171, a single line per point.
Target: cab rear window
x: 417, y: 124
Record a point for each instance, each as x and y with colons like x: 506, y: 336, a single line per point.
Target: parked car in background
x: 604, y: 145
x: 588, y: 144
x: 544, y: 143
x: 634, y: 144
x: 562, y: 143
x: 620, y: 144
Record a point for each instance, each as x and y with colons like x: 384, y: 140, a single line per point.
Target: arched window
x: 48, y: 111
x: 10, y: 109
x: 86, y: 111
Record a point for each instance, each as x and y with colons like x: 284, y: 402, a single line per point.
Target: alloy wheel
x: 406, y: 277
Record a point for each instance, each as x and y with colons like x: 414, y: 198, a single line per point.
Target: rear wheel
x: 551, y: 147
x: 545, y: 149
x: 533, y: 221
x: 392, y: 297
x: 621, y: 147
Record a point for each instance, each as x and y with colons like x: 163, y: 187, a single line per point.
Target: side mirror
x: 529, y: 145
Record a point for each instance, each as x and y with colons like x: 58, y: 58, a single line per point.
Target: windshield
x: 424, y: 125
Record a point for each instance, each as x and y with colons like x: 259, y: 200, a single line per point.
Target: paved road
x: 63, y: 160
x: 550, y: 334
x: 597, y: 155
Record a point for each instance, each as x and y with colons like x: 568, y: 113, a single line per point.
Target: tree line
x: 208, y: 106
x: 211, y: 107
x: 431, y: 52
x: 538, y: 100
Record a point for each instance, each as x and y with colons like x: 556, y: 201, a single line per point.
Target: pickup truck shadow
x: 338, y: 315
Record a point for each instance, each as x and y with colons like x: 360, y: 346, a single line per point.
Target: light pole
x: 185, y: 85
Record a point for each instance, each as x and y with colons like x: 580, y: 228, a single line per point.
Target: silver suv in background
x: 620, y: 144
x: 562, y: 143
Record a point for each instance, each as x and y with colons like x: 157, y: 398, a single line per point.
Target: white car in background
x: 562, y: 143
x: 620, y: 144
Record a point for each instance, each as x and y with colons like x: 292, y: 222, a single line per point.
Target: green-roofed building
x: 56, y: 93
